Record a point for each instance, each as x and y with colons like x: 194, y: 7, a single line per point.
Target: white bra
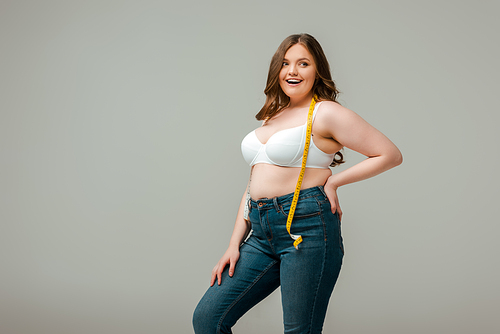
x: 285, y: 148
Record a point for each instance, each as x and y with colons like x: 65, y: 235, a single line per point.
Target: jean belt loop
x: 322, y: 188
x: 276, y: 205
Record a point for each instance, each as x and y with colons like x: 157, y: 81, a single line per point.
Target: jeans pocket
x: 306, y: 207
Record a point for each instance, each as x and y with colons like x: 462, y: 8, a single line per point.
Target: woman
x: 251, y: 269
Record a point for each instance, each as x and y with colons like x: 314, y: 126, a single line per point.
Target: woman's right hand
x: 331, y: 193
x: 230, y: 257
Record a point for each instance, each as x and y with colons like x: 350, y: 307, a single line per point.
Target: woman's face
x: 298, y: 72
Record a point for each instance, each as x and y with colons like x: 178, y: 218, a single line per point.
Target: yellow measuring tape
x: 298, y: 238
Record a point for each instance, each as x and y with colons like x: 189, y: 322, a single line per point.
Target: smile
x: 293, y: 81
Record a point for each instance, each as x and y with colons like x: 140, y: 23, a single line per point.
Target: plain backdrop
x: 121, y: 170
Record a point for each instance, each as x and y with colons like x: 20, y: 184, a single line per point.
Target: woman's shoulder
x: 332, y: 111
x: 330, y: 105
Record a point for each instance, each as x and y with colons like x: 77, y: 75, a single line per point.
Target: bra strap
x: 316, y: 110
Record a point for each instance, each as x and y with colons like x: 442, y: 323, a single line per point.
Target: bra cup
x: 250, y: 147
x: 283, y: 149
x: 319, y: 157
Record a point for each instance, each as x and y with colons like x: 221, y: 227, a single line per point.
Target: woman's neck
x: 300, y: 102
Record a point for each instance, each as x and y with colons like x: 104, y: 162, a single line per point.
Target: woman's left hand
x: 331, y: 193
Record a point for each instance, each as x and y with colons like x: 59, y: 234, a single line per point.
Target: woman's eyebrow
x: 303, y: 58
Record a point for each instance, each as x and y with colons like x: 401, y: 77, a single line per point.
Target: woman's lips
x: 293, y: 82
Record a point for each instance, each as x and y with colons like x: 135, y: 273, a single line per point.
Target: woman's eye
x: 304, y: 64
x: 285, y: 63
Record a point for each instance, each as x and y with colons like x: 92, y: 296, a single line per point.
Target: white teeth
x: 293, y: 81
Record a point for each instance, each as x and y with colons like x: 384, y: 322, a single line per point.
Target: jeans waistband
x: 264, y: 203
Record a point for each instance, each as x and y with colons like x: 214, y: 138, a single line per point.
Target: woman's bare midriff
x: 270, y: 181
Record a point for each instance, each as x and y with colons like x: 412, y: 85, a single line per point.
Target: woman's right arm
x: 232, y: 254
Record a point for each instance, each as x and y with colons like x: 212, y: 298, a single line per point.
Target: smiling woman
x: 298, y: 73
x: 303, y: 130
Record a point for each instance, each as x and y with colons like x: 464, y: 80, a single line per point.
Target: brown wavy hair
x: 324, y: 87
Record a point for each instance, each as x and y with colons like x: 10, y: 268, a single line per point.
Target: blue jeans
x: 268, y: 260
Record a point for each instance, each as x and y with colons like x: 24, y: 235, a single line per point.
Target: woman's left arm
x: 353, y: 132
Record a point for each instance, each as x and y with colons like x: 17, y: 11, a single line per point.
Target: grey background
x: 121, y: 171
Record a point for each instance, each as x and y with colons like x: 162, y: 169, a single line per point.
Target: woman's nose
x: 292, y: 70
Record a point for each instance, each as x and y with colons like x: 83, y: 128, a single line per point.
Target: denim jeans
x: 268, y: 260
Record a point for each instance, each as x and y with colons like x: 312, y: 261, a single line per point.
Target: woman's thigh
x: 256, y: 275
x: 308, y: 275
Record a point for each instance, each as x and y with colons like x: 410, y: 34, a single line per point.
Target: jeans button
x: 261, y: 204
